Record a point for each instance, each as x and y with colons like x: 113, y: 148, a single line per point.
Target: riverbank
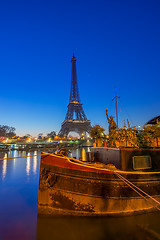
x: 43, y: 146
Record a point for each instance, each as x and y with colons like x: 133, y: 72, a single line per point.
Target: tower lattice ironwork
x: 75, y: 119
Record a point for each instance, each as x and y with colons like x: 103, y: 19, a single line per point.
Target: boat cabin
x: 126, y: 159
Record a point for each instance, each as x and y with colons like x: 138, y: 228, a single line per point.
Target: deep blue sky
x: 117, y: 43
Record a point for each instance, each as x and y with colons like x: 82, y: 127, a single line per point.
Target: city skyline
x: 116, y: 45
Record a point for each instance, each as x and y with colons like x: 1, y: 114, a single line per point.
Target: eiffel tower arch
x: 75, y: 119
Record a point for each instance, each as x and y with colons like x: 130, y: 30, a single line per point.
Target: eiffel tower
x: 75, y: 119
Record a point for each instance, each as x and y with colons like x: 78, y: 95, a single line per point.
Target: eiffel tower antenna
x: 75, y: 119
x: 74, y: 94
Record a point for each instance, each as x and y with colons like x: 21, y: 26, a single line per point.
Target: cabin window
x: 141, y: 162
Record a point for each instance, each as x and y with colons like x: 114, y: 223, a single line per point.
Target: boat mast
x: 116, y: 106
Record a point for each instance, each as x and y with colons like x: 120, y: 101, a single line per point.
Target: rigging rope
x: 122, y: 117
x: 127, y: 113
x: 134, y: 187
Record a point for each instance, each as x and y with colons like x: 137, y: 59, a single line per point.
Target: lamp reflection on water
x: 35, y: 162
x: 4, y: 167
x: 15, y: 154
x: 77, y: 154
x: 28, y: 164
x: 83, y: 154
x: 88, y: 149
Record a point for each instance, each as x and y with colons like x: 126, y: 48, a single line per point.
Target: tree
x: 97, y: 132
x: 150, y: 133
x: 26, y: 136
x: 51, y: 134
x: 6, y: 131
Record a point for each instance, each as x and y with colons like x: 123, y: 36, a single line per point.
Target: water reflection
x: 139, y: 227
x: 18, y: 195
x: 79, y: 153
x: 4, y: 167
x: 88, y: 149
x: 28, y: 163
x: 83, y: 154
x: 35, y: 162
x: 15, y: 154
x: 13, y: 163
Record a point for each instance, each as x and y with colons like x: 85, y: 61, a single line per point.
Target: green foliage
x: 97, y: 132
x: 141, y: 139
x: 131, y: 137
x: 150, y: 133
x: 127, y: 135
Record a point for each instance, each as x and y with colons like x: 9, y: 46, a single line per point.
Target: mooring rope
x: 134, y: 187
x: 20, y: 157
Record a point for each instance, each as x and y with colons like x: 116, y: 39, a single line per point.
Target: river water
x: 19, y: 179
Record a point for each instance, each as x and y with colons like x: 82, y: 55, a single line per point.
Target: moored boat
x: 68, y: 186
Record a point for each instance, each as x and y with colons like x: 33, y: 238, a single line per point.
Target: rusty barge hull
x: 68, y: 187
